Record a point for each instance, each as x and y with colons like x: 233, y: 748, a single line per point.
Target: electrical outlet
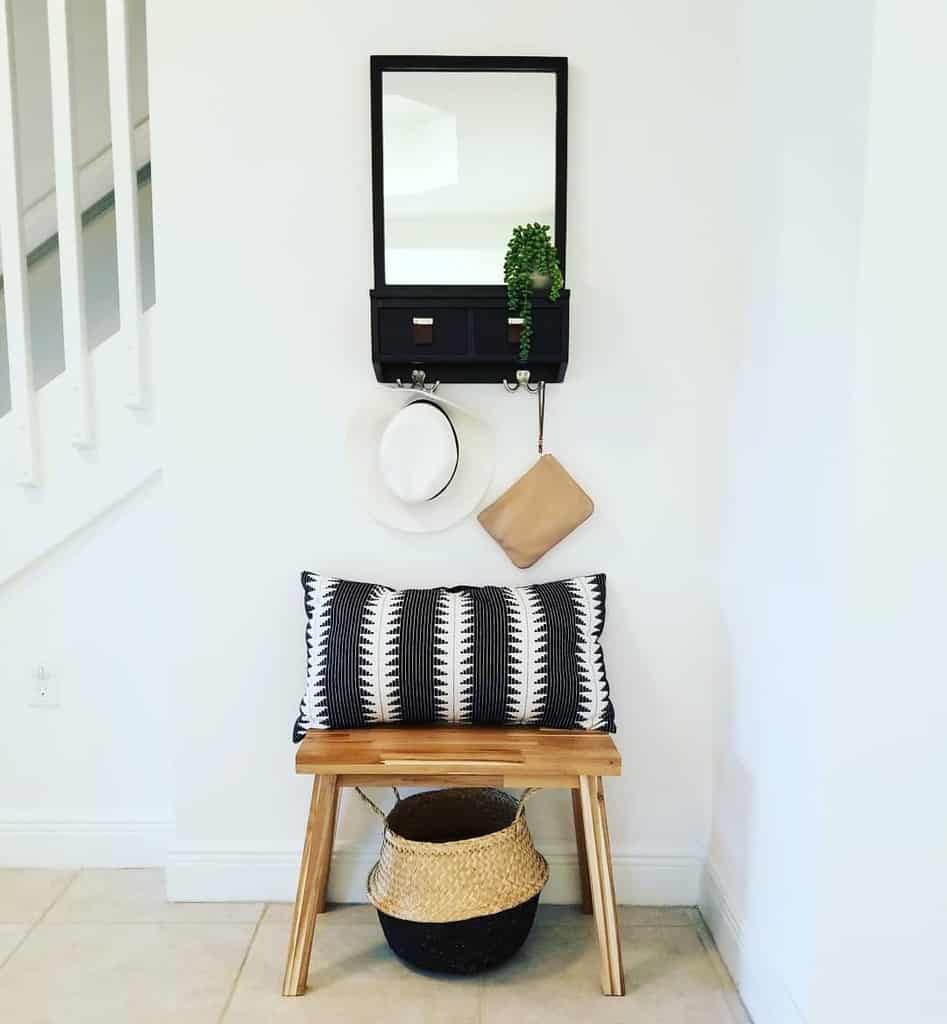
x: 44, y: 689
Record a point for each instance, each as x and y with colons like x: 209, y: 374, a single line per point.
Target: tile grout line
x: 243, y: 961
x: 42, y: 917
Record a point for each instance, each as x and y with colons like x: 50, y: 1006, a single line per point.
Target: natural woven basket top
x: 451, y: 816
x: 454, y: 854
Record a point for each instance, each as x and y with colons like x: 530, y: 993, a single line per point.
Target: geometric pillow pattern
x: 485, y: 655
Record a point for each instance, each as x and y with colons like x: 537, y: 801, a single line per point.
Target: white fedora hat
x: 416, y: 462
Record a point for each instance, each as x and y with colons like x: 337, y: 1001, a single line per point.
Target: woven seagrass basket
x: 458, y: 880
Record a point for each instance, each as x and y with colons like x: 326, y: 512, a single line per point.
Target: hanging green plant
x: 531, y: 264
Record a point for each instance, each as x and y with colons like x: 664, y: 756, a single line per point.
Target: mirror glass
x: 468, y: 155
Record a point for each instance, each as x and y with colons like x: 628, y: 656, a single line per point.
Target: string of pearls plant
x: 531, y: 264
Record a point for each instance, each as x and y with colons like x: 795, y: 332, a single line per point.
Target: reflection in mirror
x: 467, y: 157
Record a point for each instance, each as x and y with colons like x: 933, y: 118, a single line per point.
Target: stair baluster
x: 23, y: 401
x: 72, y: 269
x: 126, y: 196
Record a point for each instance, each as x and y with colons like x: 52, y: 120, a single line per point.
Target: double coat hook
x: 538, y: 389
x: 418, y: 383
x: 522, y: 381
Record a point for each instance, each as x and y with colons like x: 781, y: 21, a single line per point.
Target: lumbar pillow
x: 485, y: 655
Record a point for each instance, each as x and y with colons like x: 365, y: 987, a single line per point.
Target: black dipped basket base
x: 458, y: 879
x: 461, y: 947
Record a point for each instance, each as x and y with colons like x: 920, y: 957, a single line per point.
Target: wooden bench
x: 459, y: 756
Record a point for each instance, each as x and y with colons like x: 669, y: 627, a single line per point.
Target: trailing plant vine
x: 530, y: 251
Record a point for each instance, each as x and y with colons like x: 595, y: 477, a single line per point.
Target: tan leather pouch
x: 539, y: 510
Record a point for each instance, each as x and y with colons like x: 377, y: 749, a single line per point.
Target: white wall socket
x: 44, y: 689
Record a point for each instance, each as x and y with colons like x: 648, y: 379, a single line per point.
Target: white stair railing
x: 22, y: 395
x: 126, y: 195
x: 32, y: 436
x: 76, y: 442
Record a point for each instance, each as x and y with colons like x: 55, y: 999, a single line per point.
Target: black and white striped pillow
x: 489, y: 655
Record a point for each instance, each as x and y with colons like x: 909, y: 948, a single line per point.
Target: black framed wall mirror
x: 464, y: 149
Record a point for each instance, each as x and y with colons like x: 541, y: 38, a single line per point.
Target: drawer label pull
x: 422, y: 327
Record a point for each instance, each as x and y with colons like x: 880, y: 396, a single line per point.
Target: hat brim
x: 477, y: 456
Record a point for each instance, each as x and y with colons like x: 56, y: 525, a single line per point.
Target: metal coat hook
x: 538, y: 389
x: 417, y: 383
x: 522, y: 380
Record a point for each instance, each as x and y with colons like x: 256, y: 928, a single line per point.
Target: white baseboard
x: 761, y: 987
x: 89, y: 841
x: 268, y: 872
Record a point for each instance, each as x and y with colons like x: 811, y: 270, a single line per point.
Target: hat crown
x: 418, y: 452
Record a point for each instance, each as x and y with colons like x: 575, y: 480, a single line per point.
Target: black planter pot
x: 461, y: 947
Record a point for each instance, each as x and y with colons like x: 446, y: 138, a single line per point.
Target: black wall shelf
x: 464, y: 337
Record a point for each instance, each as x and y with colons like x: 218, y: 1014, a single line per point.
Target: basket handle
x: 371, y: 803
x: 527, y: 794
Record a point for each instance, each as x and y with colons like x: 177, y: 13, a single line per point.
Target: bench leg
x: 580, y: 848
x: 313, y: 873
x: 592, y: 798
x: 321, y: 905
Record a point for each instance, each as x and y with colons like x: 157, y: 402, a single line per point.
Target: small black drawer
x: 492, y: 334
x: 496, y: 337
x: 463, y: 334
x: 422, y: 333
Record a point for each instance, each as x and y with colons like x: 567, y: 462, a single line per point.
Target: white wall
x: 265, y: 164
x: 822, y: 885
x: 88, y: 781
x: 785, y: 509
x: 884, y: 899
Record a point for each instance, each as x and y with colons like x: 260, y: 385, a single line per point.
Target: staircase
x: 74, y: 445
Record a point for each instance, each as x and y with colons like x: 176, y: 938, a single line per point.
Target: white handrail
x: 126, y: 193
x: 14, y: 263
x: 72, y: 270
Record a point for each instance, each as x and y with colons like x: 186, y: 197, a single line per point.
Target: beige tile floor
x: 96, y: 947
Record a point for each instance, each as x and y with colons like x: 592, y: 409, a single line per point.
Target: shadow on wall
x: 761, y: 889
x: 728, y: 859
x: 101, y: 273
